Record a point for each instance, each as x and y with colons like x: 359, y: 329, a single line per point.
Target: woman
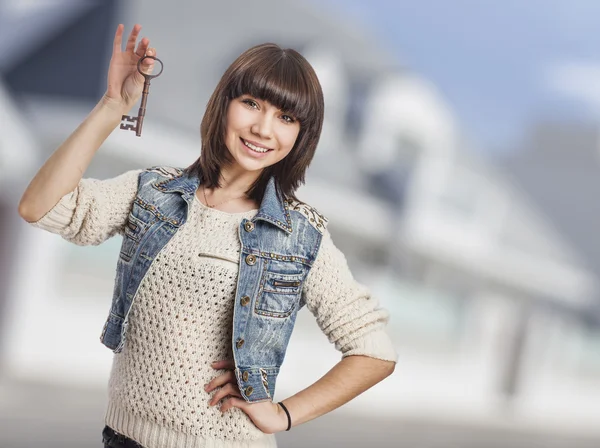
x: 216, y: 261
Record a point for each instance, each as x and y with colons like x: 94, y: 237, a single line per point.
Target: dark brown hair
x: 284, y: 78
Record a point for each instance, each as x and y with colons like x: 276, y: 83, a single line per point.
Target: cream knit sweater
x: 182, y: 315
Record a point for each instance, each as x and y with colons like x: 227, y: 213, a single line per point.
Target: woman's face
x: 258, y: 134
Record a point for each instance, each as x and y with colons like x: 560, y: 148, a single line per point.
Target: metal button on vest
x: 245, y: 376
x: 250, y: 259
x: 249, y: 226
x: 245, y: 300
x: 249, y: 391
x: 239, y: 343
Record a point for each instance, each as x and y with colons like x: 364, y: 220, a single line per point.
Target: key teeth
x: 129, y: 118
x: 129, y: 127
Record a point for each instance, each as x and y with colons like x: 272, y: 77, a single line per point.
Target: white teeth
x: 254, y: 148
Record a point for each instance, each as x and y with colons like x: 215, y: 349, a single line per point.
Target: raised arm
x: 62, y: 172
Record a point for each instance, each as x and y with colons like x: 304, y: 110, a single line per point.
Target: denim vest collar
x: 273, y: 208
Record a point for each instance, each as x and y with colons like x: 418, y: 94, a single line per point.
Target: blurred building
x: 477, y: 277
x: 558, y: 169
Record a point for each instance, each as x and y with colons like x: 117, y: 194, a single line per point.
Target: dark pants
x: 112, y: 439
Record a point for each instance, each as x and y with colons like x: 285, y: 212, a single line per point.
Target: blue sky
x: 500, y: 65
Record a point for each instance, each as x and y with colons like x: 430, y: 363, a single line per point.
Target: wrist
x: 113, y: 106
x: 284, y: 416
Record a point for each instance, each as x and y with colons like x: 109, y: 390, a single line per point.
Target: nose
x: 263, y: 127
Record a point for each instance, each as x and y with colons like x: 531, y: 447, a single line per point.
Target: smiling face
x: 264, y: 117
x: 258, y: 134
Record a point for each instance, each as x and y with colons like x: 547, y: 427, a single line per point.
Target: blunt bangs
x: 279, y: 78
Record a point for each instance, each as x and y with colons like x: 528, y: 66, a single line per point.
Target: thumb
x: 234, y: 402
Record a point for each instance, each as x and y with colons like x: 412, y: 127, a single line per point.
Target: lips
x: 254, y: 146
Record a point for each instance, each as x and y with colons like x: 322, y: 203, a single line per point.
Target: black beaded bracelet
x: 288, y: 415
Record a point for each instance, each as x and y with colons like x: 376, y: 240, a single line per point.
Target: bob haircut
x: 284, y: 78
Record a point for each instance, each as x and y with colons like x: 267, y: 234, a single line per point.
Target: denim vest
x: 278, y: 247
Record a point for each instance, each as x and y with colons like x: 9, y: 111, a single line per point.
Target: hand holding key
x: 127, y: 71
x: 139, y: 120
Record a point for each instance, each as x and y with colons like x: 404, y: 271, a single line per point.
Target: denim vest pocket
x: 134, y: 231
x: 279, y: 294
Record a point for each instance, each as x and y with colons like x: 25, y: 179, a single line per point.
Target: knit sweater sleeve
x: 94, y: 211
x: 344, y: 309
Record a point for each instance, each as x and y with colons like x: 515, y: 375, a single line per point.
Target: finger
x: 148, y: 63
x: 142, y: 47
x: 228, y: 377
x: 133, y: 38
x: 234, y: 402
x: 118, y: 39
x: 228, y: 389
x: 223, y: 364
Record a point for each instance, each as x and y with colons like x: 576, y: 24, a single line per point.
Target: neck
x: 230, y: 197
x: 236, y: 180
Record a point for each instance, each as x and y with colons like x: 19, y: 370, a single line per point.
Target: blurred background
x: 459, y: 167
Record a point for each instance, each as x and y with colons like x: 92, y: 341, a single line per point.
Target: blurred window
x: 425, y: 315
x: 461, y: 195
x: 88, y: 272
x: 583, y: 345
x: 390, y: 183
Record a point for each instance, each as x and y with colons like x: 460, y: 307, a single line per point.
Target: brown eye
x: 287, y: 119
x: 250, y: 103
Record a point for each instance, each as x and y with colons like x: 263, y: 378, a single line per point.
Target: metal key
x: 135, y: 123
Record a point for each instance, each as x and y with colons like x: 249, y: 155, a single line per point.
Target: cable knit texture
x: 94, y: 211
x: 182, y: 314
